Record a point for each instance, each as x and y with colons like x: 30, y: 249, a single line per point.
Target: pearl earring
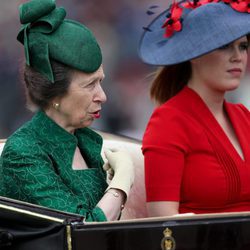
x: 56, y: 106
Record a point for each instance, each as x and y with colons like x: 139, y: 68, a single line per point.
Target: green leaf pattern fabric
x: 36, y: 167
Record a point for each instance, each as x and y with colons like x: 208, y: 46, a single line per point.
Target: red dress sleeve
x: 165, y: 144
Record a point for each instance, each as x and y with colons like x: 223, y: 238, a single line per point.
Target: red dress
x: 189, y: 158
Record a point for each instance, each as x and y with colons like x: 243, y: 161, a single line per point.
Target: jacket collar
x: 59, y: 140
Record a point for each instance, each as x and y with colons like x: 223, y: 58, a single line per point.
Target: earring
x: 56, y: 106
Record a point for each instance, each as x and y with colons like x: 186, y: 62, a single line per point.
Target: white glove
x: 122, y: 166
x: 108, y: 169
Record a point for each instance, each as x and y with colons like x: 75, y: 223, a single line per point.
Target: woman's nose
x: 236, y: 54
x: 100, y: 95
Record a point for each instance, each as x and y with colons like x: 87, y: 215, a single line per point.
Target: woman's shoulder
x: 167, y: 123
x: 239, y: 108
x: 243, y: 108
x: 179, y: 105
x: 170, y: 112
x: 22, y: 140
x: 175, y: 120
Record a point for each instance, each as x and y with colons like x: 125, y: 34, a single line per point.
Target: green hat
x: 46, y: 35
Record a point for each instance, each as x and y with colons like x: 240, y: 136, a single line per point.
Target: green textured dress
x: 36, y: 167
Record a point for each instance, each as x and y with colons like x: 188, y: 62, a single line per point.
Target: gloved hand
x: 108, y: 169
x: 122, y: 166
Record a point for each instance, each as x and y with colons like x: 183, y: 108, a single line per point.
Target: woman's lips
x: 96, y: 114
x: 235, y: 72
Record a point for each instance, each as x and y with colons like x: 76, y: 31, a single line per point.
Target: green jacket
x: 36, y: 167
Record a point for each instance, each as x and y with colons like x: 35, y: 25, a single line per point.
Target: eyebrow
x: 92, y: 79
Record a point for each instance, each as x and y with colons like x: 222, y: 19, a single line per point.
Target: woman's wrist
x: 118, y: 194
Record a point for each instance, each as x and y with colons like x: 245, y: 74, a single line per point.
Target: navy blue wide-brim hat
x: 203, y: 29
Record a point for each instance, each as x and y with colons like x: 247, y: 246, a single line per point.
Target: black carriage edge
x: 24, y: 226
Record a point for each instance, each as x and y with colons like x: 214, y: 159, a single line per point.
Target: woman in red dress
x: 196, y: 144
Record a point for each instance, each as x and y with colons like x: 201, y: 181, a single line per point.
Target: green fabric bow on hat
x: 46, y: 35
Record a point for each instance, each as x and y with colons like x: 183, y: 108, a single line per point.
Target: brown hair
x: 40, y: 91
x: 169, y: 80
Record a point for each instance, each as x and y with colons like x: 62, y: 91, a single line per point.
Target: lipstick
x: 97, y: 115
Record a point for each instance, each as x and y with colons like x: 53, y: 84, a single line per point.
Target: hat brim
x: 204, y: 29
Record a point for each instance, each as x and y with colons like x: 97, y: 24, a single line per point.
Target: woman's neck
x: 58, y: 119
x: 214, y: 99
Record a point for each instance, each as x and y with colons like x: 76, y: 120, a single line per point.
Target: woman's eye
x: 90, y: 85
x: 244, y: 46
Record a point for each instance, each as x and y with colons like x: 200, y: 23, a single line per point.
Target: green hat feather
x: 46, y: 35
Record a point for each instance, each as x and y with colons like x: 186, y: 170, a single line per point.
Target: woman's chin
x: 85, y: 123
x: 233, y: 87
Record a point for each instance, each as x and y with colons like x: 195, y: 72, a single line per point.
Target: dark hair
x: 169, y: 80
x: 40, y: 91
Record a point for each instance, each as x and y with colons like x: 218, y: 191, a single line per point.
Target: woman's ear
x: 54, y: 104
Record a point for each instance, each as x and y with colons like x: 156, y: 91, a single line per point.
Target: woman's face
x: 82, y: 104
x: 222, y: 69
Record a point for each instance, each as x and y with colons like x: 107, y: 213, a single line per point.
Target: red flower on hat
x: 241, y: 5
x: 192, y: 4
x: 173, y: 22
x: 202, y: 2
x: 197, y: 3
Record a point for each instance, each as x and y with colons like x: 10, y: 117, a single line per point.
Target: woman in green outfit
x: 54, y: 160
